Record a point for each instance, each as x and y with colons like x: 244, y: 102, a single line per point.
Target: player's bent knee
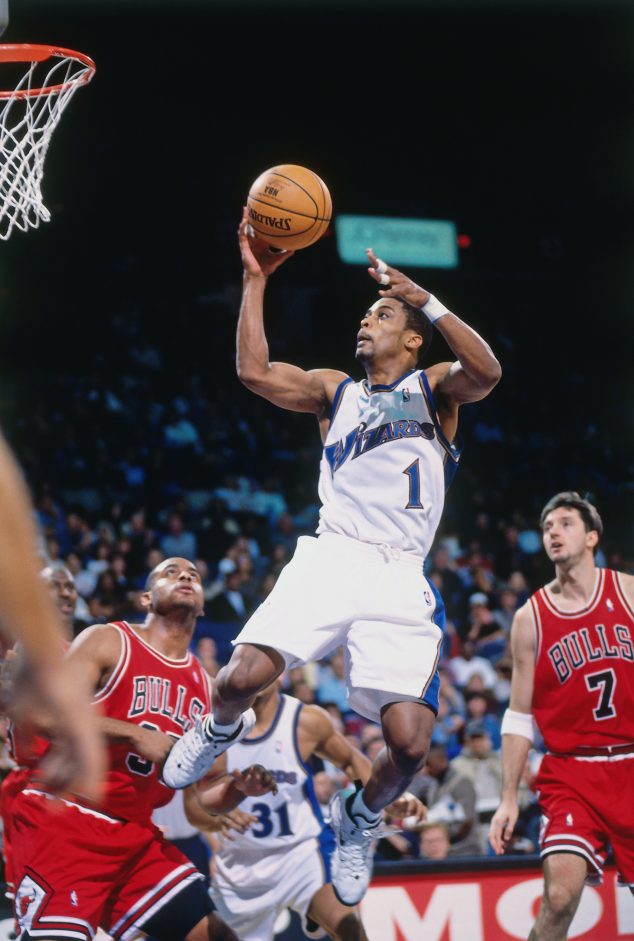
x: 249, y: 671
x: 409, y: 758
x: 560, y: 901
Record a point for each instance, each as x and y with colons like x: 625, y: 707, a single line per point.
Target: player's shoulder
x: 102, y: 640
x: 332, y: 380
x: 523, y: 625
x: 314, y: 720
x: 626, y: 583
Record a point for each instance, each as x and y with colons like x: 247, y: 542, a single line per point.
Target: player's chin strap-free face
x: 432, y: 308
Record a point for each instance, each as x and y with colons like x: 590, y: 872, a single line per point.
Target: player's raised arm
x: 330, y: 744
x: 517, y: 728
x: 281, y: 383
x: 476, y: 370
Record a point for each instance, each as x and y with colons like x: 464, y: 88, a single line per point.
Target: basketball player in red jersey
x: 78, y: 865
x: 26, y: 748
x: 573, y: 671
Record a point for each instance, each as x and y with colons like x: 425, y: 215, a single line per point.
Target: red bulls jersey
x: 150, y: 690
x: 584, y: 671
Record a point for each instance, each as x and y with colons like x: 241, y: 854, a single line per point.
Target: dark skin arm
x: 283, y: 384
x: 476, y: 370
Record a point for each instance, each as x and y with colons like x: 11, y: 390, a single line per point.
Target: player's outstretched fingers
x: 254, y: 781
x: 380, y: 270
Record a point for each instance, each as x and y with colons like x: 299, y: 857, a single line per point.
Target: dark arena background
x: 513, y: 120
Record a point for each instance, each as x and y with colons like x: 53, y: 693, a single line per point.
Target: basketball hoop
x: 29, y: 113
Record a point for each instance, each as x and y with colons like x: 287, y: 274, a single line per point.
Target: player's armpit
x: 293, y: 388
x: 96, y: 653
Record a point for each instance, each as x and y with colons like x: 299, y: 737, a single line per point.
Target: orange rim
x: 27, y: 52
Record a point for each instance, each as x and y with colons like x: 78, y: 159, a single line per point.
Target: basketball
x: 289, y: 206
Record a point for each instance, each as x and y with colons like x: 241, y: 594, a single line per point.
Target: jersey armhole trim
x: 454, y: 450
x: 120, y: 668
x: 616, y: 578
x: 537, y: 626
x: 338, y: 396
x: 298, y: 754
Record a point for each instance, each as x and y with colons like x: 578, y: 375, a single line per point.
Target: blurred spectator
x: 302, y: 691
x: 504, y: 611
x: 177, y: 542
x: 108, y: 602
x: 463, y: 668
x: 478, y: 706
x: 331, y: 681
x: 229, y: 604
x: 451, y: 799
x: 483, y: 767
x: 484, y: 630
x: 325, y: 786
x: 207, y: 652
x: 434, y: 841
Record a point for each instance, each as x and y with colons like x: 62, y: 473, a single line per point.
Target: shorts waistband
x: 388, y: 553
x: 604, y: 751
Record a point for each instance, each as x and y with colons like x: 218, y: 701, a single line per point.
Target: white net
x: 28, y: 116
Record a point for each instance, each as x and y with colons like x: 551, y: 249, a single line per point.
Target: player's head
x: 63, y: 591
x: 174, y: 585
x: 391, y: 329
x: 571, y: 526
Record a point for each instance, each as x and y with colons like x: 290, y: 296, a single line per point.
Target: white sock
x: 214, y: 728
x: 359, y: 808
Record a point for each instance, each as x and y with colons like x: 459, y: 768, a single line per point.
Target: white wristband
x: 433, y: 309
x: 518, y: 723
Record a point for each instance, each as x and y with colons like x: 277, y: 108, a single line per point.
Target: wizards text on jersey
x: 156, y: 694
x: 580, y: 647
x: 362, y: 439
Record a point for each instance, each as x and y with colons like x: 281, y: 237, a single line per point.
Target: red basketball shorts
x: 76, y: 869
x: 588, y: 806
x: 11, y: 787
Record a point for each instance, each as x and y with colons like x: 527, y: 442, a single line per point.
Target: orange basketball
x: 289, y: 206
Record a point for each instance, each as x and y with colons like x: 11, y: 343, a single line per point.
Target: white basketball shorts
x: 372, y: 600
x: 288, y: 878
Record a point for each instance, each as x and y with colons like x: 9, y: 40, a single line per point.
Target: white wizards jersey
x: 385, y: 465
x: 285, y: 819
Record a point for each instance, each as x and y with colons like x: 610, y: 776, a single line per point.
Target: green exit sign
x: 421, y: 243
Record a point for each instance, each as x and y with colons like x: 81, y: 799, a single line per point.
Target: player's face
x: 176, y: 584
x: 565, y: 536
x: 381, y: 332
x: 61, y: 588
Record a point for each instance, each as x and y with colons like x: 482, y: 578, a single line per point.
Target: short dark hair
x: 416, y: 320
x: 574, y: 501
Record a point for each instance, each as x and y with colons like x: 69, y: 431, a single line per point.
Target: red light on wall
x: 464, y: 241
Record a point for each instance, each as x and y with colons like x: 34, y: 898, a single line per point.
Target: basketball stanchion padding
x: 36, y: 84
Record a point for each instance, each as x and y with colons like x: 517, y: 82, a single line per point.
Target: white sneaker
x: 352, y: 859
x: 194, y: 754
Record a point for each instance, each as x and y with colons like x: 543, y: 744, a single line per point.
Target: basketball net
x: 29, y: 114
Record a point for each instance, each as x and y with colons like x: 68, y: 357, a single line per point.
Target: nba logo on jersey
x: 609, y: 604
x: 406, y: 395
x: 427, y: 597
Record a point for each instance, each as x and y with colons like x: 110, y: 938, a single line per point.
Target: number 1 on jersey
x: 413, y: 476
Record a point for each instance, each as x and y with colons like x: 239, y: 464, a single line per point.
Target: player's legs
x: 211, y: 928
x: 250, y: 669
x: 564, y: 877
x: 407, y: 729
x: 338, y: 920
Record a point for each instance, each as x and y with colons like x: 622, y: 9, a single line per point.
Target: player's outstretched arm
x: 515, y: 747
x: 281, y: 383
x: 221, y: 791
x: 318, y: 735
x: 476, y: 370
x: 26, y: 614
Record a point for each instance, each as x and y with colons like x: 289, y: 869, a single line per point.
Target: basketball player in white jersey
x: 283, y: 859
x: 388, y: 443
